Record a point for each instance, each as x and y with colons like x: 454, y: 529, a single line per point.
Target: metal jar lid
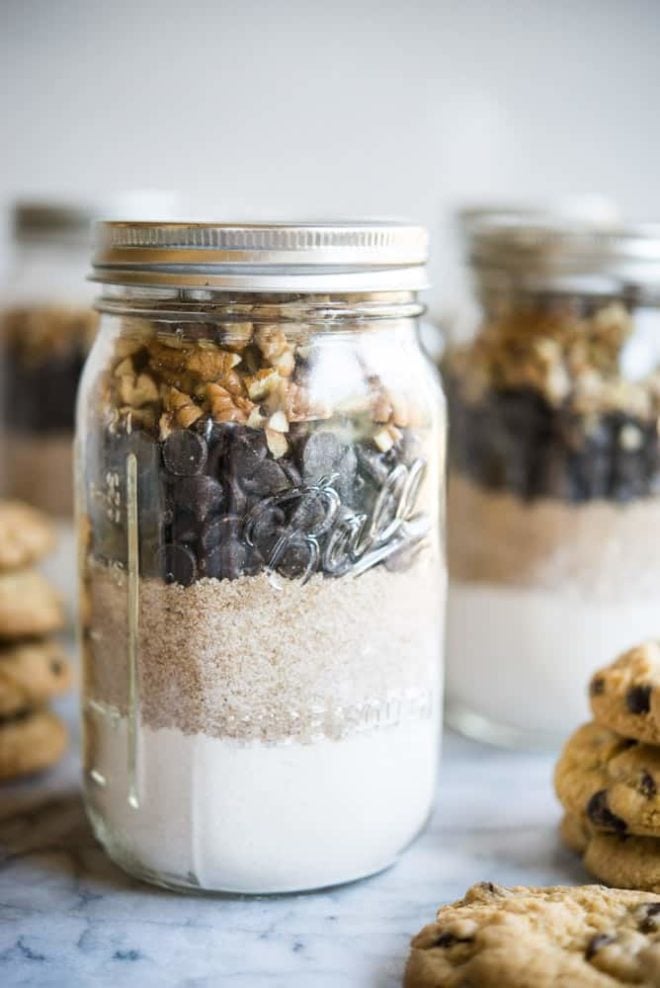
x: 560, y: 251
x: 263, y: 257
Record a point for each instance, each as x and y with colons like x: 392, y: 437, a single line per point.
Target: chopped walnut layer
x: 570, y: 360
x: 250, y: 375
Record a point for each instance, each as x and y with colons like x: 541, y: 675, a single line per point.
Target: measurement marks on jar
x: 133, y: 611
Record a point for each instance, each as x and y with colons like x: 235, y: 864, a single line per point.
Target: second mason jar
x: 554, y: 516
x: 47, y: 326
x: 260, y: 450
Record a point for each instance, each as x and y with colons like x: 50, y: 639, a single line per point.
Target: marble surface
x: 68, y: 917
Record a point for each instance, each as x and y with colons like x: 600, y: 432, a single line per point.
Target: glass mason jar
x: 46, y: 328
x: 554, y: 515
x: 260, y: 464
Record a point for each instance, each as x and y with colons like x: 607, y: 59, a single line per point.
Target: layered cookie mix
x: 259, y: 558
x: 44, y: 348
x: 519, y: 937
x: 552, y: 500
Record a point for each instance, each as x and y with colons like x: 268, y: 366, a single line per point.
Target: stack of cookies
x: 33, y: 666
x: 608, y: 776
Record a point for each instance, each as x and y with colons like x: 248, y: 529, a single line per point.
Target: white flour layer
x: 523, y: 658
x: 259, y: 818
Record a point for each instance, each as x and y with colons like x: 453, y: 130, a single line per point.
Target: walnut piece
x: 276, y: 349
x: 226, y: 407
x: 137, y: 391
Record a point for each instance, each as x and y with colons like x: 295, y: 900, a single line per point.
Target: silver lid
x: 310, y: 257
x: 52, y: 221
x: 561, y: 250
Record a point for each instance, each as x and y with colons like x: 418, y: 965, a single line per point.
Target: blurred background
x: 369, y: 107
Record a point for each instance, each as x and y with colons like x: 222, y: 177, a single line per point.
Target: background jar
x: 554, y: 516
x: 260, y: 449
x: 47, y: 325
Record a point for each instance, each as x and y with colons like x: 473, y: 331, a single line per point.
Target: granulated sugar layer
x: 245, y: 659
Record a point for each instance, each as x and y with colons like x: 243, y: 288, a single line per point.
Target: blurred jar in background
x: 47, y: 325
x: 554, y: 514
x: 460, y: 307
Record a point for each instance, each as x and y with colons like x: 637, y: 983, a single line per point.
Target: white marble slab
x: 69, y: 918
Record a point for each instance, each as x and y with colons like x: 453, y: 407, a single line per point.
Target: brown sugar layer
x: 599, y: 549
x: 248, y: 660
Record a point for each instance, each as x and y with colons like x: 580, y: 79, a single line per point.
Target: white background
x: 370, y: 107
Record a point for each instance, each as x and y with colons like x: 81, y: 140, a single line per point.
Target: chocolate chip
x: 597, y: 686
x: 648, y: 923
x: 325, y: 456
x: 265, y: 479
x: 647, y: 785
x: 596, y: 943
x: 184, y: 527
x: 267, y: 527
x: 247, y: 448
x: 450, y: 940
x: 218, y: 530
x: 199, y: 495
x: 295, y: 561
x: 601, y: 815
x: 56, y: 667
x: 294, y: 475
x: 309, y: 513
x: 177, y: 564
x: 638, y: 699
x: 294, y: 554
x: 226, y: 561
x: 184, y: 453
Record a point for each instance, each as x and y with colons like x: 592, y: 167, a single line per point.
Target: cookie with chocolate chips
x: 625, y: 696
x: 625, y: 862
x: 28, y: 606
x: 612, y: 782
x: 621, y: 861
x: 586, y: 937
x: 575, y: 832
x: 30, y: 741
x: 31, y: 674
x: 26, y: 535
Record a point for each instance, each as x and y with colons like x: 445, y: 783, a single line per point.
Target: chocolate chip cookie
x: 610, y: 780
x: 585, y: 937
x: 575, y: 832
x: 626, y: 862
x: 31, y: 674
x: 30, y: 741
x: 26, y: 535
x: 625, y: 696
x: 28, y: 605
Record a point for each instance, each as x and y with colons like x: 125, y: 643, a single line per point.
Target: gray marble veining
x: 70, y: 918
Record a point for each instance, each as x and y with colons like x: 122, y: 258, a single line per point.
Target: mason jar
x: 47, y: 324
x: 260, y: 471
x: 553, y: 507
